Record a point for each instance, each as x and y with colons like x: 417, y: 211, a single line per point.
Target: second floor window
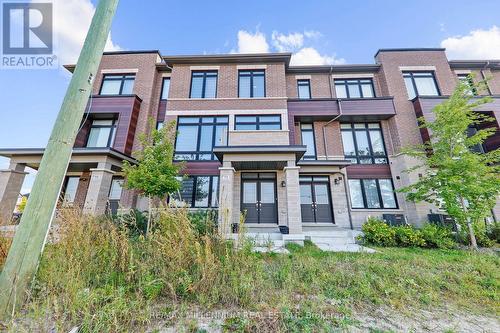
x: 117, y: 84
x: 257, y: 123
x: 307, y: 134
x: 102, y: 133
x: 363, y: 143
x: 354, y: 88
x: 203, y: 84
x: 165, y: 88
x: 198, y: 135
x: 420, y: 84
x: 251, y: 83
x: 304, y: 89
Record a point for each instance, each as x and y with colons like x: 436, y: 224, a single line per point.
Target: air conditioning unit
x: 442, y: 220
x: 394, y: 219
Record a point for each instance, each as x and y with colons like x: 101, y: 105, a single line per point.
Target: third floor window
x: 420, y: 84
x: 363, y: 143
x: 165, y: 88
x: 354, y: 88
x: 251, y: 83
x: 117, y: 84
x: 304, y: 89
x: 203, y: 84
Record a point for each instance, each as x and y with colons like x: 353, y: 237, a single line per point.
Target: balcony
x: 125, y: 109
x: 362, y: 109
x: 424, y: 105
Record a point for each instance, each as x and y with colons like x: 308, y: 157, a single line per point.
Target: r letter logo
x: 27, y: 35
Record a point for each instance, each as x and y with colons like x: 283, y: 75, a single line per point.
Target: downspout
x: 484, y: 76
x: 326, y: 146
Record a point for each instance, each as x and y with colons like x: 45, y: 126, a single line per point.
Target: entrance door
x: 258, y: 192
x: 315, y: 202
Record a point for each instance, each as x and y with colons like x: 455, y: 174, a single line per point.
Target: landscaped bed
x: 102, y: 277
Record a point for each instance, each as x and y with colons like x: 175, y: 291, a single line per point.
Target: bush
x: 204, y: 221
x: 493, y: 231
x: 134, y: 221
x: 482, y: 238
x: 437, y: 236
x: 377, y: 232
x: 408, y: 236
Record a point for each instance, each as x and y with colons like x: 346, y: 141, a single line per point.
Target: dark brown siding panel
x: 201, y: 168
x: 369, y: 171
x: 125, y: 109
x: 162, y: 110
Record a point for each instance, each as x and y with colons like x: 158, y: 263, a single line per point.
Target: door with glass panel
x: 258, y: 197
x: 315, y: 201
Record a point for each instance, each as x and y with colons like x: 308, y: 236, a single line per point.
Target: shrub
x: 204, y: 221
x: 134, y: 221
x: 377, y: 232
x: 408, y: 236
x: 481, y: 234
x: 493, y: 232
x: 437, y: 236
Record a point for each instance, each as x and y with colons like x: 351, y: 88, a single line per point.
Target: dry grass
x: 104, y: 278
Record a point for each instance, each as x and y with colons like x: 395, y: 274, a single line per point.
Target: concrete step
x: 345, y: 248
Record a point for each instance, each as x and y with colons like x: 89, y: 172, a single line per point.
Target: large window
x: 197, y: 192
x: 203, y: 84
x: 165, y: 88
x: 251, y: 83
x: 307, y: 133
x: 354, y: 88
x: 102, y: 133
x: 420, y: 84
x: 372, y: 193
x: 117, y: 84
x: 363, y: 143
x: 304, y: 89
x: 198, y: 135
x: 70, y: 189
x: 272, y: 122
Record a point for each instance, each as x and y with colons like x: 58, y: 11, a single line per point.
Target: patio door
x: 258, y: 197
x: 315, y: 201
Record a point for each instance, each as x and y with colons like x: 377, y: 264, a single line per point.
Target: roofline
x: 234, y: 57
x: 411, y: 49
x: 10, y: 152
x: 474, y: 64
x: 71, y: 67
x: 354, y: 68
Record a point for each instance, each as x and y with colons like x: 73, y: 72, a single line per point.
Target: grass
x: 102, y: 278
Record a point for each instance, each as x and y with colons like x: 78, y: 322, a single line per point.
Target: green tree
x: 155, y: 174
x: 464, y: 183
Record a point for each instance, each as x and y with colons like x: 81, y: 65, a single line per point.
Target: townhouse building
x: 296, y: 147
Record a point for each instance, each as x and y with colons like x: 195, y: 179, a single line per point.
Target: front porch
x: 282, y: 198
x: 92, y: 183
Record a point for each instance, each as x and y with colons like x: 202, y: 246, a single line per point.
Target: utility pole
x: 27, y: 246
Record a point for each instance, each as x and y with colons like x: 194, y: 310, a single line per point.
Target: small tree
x: 154, y: 175
x: 465, y: 183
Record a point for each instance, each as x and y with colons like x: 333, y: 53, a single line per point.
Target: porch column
x: 293, y: 199
x: 226, y: 199
x: 98, y: 190
x: 11, y: 181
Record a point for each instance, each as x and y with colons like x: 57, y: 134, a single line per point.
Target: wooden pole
x: 29, y: 241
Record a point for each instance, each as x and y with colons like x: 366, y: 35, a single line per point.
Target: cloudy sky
x: 316, y: 32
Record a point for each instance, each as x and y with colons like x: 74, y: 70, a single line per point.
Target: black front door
x: 258, y: 197
x: 315, y: 202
